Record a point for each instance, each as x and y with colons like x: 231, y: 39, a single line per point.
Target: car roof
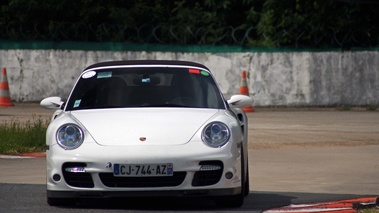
x: 146, y: 62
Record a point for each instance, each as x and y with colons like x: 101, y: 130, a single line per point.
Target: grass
x: 344, y: 108
x: 373, y: 210
x: 348, y: 108
x: 372, y: 107
x: 21, y: 137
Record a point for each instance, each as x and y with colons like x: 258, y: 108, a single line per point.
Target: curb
x: 24, y: 155
x: 35, y: 155
x: 341, y: 206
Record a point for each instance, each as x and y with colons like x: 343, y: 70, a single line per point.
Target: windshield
x: 145, y: 87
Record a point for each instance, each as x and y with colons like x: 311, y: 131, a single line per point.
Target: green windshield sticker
x: 77, y: 103
x: 104, y: 74
x: 205, y: 73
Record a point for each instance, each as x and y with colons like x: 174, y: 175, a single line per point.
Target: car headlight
x: 216, y: 134
x: 70, y: 136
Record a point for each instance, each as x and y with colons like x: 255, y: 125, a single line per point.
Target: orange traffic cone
x: 5, y: 99
x: 244, y: 90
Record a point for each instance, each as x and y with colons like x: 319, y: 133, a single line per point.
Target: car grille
x: 206, y: 178
x: 77, y: 179
x: 111, y: 181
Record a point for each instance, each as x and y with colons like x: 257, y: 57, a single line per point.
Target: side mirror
x: 51, y: 103
x: 240, y: 101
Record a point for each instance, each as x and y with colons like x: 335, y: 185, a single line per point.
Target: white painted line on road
x: 13, y: 157
x: 341, y: 206
x: 306, y: 210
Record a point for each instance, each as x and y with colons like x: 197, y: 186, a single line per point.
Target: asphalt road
x: 295, y: 156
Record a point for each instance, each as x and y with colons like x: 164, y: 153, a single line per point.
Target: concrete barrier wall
x: 274, y: 79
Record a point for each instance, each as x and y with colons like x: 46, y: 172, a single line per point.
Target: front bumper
x: 156, y: 193
x: 97, y: 180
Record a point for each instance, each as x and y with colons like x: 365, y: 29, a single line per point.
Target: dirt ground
x: 312, y: 127
x: 314, y: 151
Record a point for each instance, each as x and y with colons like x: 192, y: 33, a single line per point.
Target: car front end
x: 89, y: 169
x: 147, y: 128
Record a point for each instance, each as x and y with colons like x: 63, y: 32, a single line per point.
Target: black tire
x: 235, y: 201
x: 232, y: 201
x: 247, y: 181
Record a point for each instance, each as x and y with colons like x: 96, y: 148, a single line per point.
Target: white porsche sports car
x: 147, y: 128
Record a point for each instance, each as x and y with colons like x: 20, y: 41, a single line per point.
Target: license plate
x: 138, y: 170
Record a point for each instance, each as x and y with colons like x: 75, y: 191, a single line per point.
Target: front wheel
x: 231, y: 201
x: 247, y: 181
x: 238, y: 199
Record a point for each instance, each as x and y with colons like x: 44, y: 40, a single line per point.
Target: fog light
x: 228, y: 175
x: 75, y: 169
x: 210, y: 167
x: 56, y: 177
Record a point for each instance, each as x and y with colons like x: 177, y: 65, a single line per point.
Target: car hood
x: 147, y: 126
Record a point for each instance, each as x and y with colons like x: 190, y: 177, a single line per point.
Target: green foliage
x: 344, y: 108
x: 17, y: 137
x: 370, y: 210
x: 254, y: 23
x: 372, y: 107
